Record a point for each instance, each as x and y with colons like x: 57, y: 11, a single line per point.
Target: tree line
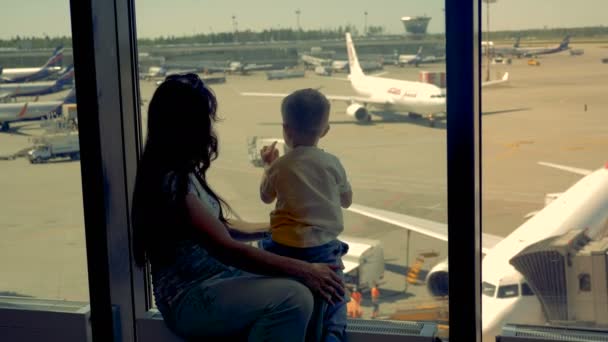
x: 289, y: 34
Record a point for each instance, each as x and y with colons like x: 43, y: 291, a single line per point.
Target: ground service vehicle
x: 364, y: 262
x: 54, y: 146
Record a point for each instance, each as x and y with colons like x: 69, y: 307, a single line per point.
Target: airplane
x: 15, y: 112
x: 502, y: 50
x: 13, y: 90
x: 418, y: 59
x: 507, y: 297
x: 20, y: 75
x: 519, y: 52
x: 530, y: 52
x: 313, y: 62
x: 410, y: 59
x: 246, y: 68
x: 386, y: 94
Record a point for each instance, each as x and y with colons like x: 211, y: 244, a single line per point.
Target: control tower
x: 415, y: 26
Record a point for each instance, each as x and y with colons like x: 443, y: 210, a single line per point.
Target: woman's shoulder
x: 176, y: 183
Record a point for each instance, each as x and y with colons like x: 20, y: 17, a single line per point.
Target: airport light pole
x: 365, y: 24
x: 235, y: 26
x: 298, y: 22
x: 488, y: 2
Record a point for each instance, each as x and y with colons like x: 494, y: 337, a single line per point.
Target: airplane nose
x: 489, y: 330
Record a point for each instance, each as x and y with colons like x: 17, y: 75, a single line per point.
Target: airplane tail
x: 70, y: 97
x: 353, y: 60
x: 516, y: 44
x: 419, y: 53
x: 564, y: 44
x: 66, y: 78
x: 56, y: 59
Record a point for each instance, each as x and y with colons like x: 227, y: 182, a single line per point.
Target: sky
x: 184, y: 17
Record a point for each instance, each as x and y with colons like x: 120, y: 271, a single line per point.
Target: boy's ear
x: 325, y: 131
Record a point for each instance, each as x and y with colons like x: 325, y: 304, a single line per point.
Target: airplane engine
x: 359, y: 112
x: 437, y: 281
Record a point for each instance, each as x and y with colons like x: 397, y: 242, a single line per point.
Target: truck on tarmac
x: 364, y: 262
x: 54, y: 146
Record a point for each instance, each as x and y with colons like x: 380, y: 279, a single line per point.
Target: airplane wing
x: 345, y: 98
x: 504, y: 79
x: 429, y: 228
x: 583, y: 172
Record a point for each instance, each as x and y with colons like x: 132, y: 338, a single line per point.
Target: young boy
x: 311, y: 188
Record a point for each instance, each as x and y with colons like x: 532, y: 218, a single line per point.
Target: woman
x: 205, y: 282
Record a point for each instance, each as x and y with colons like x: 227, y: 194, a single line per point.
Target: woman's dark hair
x: 180, y: 141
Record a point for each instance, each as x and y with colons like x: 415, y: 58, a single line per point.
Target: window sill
x: 151, y: 328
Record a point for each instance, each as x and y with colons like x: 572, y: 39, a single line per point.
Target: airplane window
x: 508, y: 291
x: 488, y: 289
x: 526, y: 290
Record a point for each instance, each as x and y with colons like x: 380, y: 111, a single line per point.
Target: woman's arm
x: 248, y: 231
x: 320, y: 278
x: 249, y: 227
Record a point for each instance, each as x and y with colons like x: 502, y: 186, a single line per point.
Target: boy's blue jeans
x: 334, y: 316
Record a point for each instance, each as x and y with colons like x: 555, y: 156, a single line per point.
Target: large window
x: 390, y: 135
x: 543, y: 137
x: 42, y: 248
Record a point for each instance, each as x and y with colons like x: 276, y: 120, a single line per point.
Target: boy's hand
x: 269, y: 153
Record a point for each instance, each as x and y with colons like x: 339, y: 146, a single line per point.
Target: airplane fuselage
x: 27, y: 74
x: 27, y: 89
x: 34, y: 110
x: 400, y: 96
x: 582, y: 206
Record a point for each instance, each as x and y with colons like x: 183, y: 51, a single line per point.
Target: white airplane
x: 385, y: 94
x: 312, y: 62
x: 13, y: 90
x: 14, y: 112
x: 507, y: 298
x: 19, y: 75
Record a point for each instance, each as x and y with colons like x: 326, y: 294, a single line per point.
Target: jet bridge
x: 568, y: 273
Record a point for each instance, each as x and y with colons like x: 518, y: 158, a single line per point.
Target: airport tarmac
x: 395, y: 163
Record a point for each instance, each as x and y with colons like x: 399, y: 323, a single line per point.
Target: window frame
x: 463, y: 32
x: 104, y: 44
x: 109, y: 106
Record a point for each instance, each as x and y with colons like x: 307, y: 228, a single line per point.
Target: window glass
x: 254, y: 53
x: 42, y: 248
x: 508, y: 291
x: 543, y: 136
x: 488, y: 289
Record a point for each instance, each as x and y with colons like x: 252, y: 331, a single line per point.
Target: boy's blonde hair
x: 306, y: 111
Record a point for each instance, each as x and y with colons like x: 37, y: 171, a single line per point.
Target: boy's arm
x: 346, y: 192
x: 267, y: 191
x: 268, y: 154
x: 346, y: 198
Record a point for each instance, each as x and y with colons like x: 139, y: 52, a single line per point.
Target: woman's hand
x: 322, y: 280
